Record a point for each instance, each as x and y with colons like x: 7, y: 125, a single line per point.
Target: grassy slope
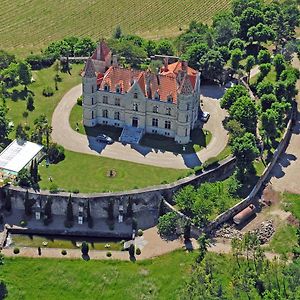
x: 160, y: 278
x: 30, y: 25
x: 43, y: 105
x: 88, y: 173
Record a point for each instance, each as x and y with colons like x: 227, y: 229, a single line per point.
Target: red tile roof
x: 102, y: 51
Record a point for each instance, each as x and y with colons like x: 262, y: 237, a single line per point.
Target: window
x: 168, y: 111
x: 117, y: 101
x: 155, y: 109
x: 92, y: 101
x: 105, y: 99
x: 135, y: 95
x: 156, y: 96
x: 92, y: 114
x: 170, y: 98
x: 188, y: 106
x: 92, y: 89
x: 106, y: 88
x: 135, y: 107
x: 105, y: 113
x: 118, y: 89
x: 155, y: 122
x: 186, y: 132
x: 168, y: 124
x: 187, y: 118
x: 117, y: 115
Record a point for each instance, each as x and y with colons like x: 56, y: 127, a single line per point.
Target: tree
x: 131, y: 250
x: 89, y: 217
x: 236, y: 43
x: 84, y: 47
x: 268, y: 125
x: 250, y: 62
x: 185, y: 199
x: 232, y: 94
x: 211, y: 65
x: 261, y: 33
x: 85, y: 248
x: 167, y: 224
x: 24, y: 178
x: 10, y: 75
x: 117, y: 33
x: 194, y: 53
x: 245, y: 150
x: 279, y: 64
x: 249, y: 18
x: 21, y: 133
x: 187, y: 229
x: 164, y: 47
x: 35, y: 171
x: 264, y: 70
x: 266, y: 101
x: 264, y: 87
x: 56, y: 153
x: 4, y: 124
x: 203, y: 245
x: 264, y: 57
x: 239, y: 6
x: 236, y: 57
x: 30, y: 102
x: 24, y: 73
x: 27, y: 204
x: 6, y: 59
x: 245, y: 112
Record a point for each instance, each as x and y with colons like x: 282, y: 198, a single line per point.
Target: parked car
x: 205, y: 116
x: 103, y: 138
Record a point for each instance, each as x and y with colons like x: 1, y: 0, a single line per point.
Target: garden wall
x: 144, y: 200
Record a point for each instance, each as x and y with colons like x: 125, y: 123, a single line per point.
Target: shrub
x: 108, y: 254
x: 167, y: 224
x: 53, y: 188
x: 48, y: 91
x: 63, y: 252
x: 38, y: 61
x: 107, y: 246
x: 56, y: 153
x: 16, y: 250
x: 138, y: 251
x: 211, y: 163
x: 76, y: 191
x: 198, y: 169
x: 85, y: 248
x: 79, y: 101
x: 131, y: 250
x: 140, y: 232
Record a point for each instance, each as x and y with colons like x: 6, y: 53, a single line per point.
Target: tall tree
x: 250, y: 62
x: 24, y: 73
x: 30, y: 102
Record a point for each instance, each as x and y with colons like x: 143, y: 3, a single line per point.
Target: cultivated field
x: 30, y: 25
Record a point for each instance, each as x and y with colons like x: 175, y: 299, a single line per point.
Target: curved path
x: 64, y: 135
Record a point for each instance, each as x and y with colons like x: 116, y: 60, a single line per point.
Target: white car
x: 205, y: 116
x: 102, y: 138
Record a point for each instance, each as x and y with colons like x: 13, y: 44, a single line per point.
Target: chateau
x: 165, y: 103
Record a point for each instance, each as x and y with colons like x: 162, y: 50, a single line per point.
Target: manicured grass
x: 271, y: 76
x: 88, y: 173
x: 20, y: 240
x: 284, y: 239
x: 31, y: 26
x: 292, y: 204
x: 259, y: 167
x: 159, y: 278
x: 43, y: 105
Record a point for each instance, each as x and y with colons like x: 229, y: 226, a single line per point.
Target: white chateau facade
x: 140, y: 102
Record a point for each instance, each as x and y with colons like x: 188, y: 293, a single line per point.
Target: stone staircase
x: 131, y: 135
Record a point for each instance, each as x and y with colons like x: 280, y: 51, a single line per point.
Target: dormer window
x: 156, y: 96
x: 170, y: 98
x: 168, y: 111
x: 106, y: 88
x: 118, y: 89
x: 135, y: 95
x: 155, y: 109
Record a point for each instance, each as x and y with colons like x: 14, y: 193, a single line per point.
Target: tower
x: 89, y: 89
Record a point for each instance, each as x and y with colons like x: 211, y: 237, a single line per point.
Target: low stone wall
x: 143, y: 200
x: 224, y: 217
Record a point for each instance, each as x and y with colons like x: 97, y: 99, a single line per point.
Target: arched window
x: 135, y: 95
x: 187, y: 106
x: 118, y: 89
x: 156, y: 96
x: 187, y: 118
x: 168, y: 111
x: 105, y: 113
x: 92, y: 114
x: 106, y: 87
x: 155, y: 109
x: 155, y: 122
x: 92, y: 101
x: 105, y: 99
x: 170, y: 98
x: 135, y: 107
x: 117, y: 115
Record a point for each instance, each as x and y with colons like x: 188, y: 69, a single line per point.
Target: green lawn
x: 271, y: 76
x: 32, y: 25
x: 292, y: 204
x: 43, y: 105
x: 89, y: 173
x: 159, y: 278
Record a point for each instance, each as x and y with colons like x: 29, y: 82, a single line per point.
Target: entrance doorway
x: 135, y: 122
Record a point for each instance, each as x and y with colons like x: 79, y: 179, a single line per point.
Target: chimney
x: 166, y: 63
x: 115, y: 61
